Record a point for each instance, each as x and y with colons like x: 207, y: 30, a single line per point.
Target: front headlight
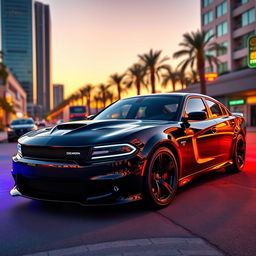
x: 9, y: 129
x: 108, y: 151
x: 19, y: 149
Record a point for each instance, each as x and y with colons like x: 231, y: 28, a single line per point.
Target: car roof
x: 183, y: 94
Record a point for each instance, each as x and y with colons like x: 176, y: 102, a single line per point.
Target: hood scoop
x: 69, y: 126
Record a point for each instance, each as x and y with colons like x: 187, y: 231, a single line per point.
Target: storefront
x: 236, y: 90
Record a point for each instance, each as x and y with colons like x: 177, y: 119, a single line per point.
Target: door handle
x: 232, y: 123
x: 214, y: 130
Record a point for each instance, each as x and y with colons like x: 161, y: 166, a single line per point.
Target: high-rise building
x: 58, y: 94
x: 231, y: 22
x: 17, y: 43
x: 43, y: 56
x: 26, y: 44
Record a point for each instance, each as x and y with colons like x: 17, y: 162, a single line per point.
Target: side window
x: 215, y: 108
x: 195, y: 104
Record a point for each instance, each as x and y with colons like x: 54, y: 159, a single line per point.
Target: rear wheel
x: 161, y: 178
x: 238, y: 155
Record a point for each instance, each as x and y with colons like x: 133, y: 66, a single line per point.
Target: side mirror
x: 90, y: 117
x: 197, y: 115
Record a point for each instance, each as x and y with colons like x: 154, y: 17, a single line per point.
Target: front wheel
x: 238, y: 155
x: 161, y: 178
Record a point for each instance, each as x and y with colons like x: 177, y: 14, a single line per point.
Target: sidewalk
x: 147, y: 247
x: 3, y: 136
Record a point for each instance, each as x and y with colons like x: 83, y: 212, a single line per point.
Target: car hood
x: 89, y: 132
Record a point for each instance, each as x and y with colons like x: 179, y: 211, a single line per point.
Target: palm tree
x: 97, y: 98
x: 86, y: 91
x: 136, y: 74
x: 110, y: 96
x: 196, y: 44
x: 153, y: 64
x: 170, y: 76
x: 116, y: 79
x: 104, y: 90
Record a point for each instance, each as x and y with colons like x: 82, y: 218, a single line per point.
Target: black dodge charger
x: 141, y: 147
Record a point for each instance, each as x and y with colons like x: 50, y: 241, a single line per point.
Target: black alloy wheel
x: 161, y: 178
x: 238, y: 155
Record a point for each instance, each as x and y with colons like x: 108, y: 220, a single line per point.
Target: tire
x: 238, y: 155
x: 161, y: 178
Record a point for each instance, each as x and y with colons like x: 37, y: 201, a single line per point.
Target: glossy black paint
x: 198, y: 145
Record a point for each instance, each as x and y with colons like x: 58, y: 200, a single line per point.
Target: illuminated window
x: 224, y: 51
x: 208, y: 17
x: 221, y: 9
x: 222, y: 29
x: 248, y: 17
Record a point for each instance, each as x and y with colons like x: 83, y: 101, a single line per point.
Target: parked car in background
x: 19, y: 127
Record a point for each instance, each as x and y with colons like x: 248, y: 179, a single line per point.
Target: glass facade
x: 208, y: 17
x: 16, y: 17
x: 222, y: 29
x: 208, y: 34
x: 207, y: 2
x: 221, y: 9
x: 248, y: 17
x: 224, y: 51
x: 222, y: 68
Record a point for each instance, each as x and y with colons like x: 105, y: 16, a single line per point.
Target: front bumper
x: 96, y: 183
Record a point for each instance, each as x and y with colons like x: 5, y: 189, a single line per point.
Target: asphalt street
x: 218, y: 208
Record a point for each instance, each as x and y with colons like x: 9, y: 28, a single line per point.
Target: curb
x: 147, y: 247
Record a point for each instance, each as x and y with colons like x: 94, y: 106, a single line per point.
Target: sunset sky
x: 92, y: 39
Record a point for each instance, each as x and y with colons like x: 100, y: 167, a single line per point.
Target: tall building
x: 43, y: 56
x: 17, y: 43
x: 58, y: 94
x: 26, y: 44
x: 231, y: 22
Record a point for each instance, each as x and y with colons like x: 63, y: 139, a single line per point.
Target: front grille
x: 56, y: 153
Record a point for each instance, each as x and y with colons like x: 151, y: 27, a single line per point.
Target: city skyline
x: 94, y: 39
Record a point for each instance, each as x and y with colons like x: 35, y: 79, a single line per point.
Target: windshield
x: 155, y: 107
x: 22, y: 121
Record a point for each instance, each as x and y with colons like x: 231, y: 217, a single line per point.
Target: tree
x: 7, y: 108
x: 86, y: 92
x: 170, y: 76
x: 97, y: 98
x: 153, y: 64
x: 136, y: 74
x: 116, y: 79
x: 104, y: 90
x: 197, y: 48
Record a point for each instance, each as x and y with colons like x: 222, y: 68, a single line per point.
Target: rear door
x: 225, y: 128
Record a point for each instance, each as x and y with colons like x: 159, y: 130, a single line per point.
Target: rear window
x: 22, y: 121
x: 214, y: 108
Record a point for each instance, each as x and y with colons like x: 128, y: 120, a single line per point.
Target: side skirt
x: 186, y: 179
